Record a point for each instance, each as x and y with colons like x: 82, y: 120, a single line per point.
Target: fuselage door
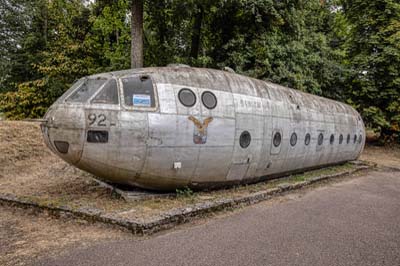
x: 249, y: 135
x: 102, y: 129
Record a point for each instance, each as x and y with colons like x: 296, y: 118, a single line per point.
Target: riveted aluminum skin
x: 145, y: 143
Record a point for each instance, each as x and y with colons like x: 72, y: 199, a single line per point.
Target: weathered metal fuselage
x: 256, y: 130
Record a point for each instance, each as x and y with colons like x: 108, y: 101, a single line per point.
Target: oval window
x: 277, y: 139
x: 340, y: 139
x: 360, y: 139
x: 320, y: 139
x: 355, y: 138
x: 348, y: 138
x: 332, y: 139
x: 209, y: 100
x: 245, y: 139
x: 293, y: 139
x: 187, y: 97
x: 307, y: 139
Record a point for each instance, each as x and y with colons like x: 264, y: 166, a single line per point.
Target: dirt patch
x: 24, y: 237
x: 388, y: 156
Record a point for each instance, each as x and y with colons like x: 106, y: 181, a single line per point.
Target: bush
x: 31, y: 100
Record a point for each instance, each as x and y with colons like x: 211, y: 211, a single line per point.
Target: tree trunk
x: 195, y: 47
x: 117, y: 36
x: 137, y: 34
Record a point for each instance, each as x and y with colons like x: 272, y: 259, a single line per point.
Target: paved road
x: 356, y: 222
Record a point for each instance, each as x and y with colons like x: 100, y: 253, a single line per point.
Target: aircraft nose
x: 63, y: 132
x: 47, y: 122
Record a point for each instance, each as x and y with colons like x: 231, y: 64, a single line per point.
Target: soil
x: 384, y: 156
x: 24, y: 235
x: 29, y: 168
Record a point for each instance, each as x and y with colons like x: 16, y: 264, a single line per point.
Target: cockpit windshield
x: 87, y: 88
x: 108, y: 94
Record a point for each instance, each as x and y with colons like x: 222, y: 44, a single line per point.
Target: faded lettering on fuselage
x: 249, y: 103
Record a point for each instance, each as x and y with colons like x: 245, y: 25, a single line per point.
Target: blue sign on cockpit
x: 141, y: 100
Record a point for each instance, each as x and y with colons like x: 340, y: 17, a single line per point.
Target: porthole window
x: 320, y: 138
x: 209, y: 100
x: 277, y: 139
x: 340, y: 139
x: 307, y: 139
x: 293, y: 139
x: 332, y: 139
x: 360, y: 139
x: 187, y: 97
x: 355, y: 138
x: 245, y: 139
x: 348, y: 138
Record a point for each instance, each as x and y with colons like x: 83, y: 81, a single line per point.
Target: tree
x: 15, y: 24
x: 374, y: 56
x: 53, y: 65
x: 110, y: 35
x: 137, y: 34
x: 342, y: 49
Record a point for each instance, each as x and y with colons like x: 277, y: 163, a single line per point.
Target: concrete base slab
x: 131, y: 194
x: 171, y: 217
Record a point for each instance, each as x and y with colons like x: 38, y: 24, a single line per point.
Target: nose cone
x: 63, y: 131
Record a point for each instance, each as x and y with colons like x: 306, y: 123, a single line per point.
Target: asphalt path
x: 355, y: 222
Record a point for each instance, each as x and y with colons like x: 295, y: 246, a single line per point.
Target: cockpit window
x: 86, y: 90
x: 139, y: 91
x: 109, y: 93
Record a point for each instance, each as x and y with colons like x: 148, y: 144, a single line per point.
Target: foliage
x: 184, y: 192
x: 374, y: 57
x: 30, y: 100
x: 51, y: 59
x: 341, y: 49
x: 110, y: 35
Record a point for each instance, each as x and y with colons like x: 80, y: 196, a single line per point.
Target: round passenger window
x: 355, y: 138
x: 209, y: 100
x: 187, y: 97
x: 307, y: 139
x: 332, y: 139
x: 340, y: 139
x: 348, y: 138
x: 320, y: 139
x: 245, y: 139
x: 359, y: 139
x: 293, y: 139
x: 277, y: 139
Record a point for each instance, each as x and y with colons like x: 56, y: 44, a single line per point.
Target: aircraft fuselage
x: 166, y: 128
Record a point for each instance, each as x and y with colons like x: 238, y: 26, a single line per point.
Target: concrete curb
x: 173, y: 217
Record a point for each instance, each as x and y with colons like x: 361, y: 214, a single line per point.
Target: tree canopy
x: 341, y: 49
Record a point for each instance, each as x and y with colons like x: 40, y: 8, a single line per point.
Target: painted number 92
x: 100, y: 119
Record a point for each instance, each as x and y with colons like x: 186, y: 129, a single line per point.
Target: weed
x: 184, y: 192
